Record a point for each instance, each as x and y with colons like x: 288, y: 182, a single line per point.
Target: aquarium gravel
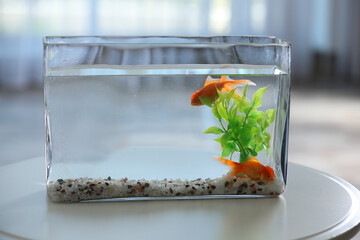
x: 81, y: 189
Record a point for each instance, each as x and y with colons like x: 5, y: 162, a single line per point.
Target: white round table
x: 314, y: 206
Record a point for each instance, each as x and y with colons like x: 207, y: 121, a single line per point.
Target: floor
x: 324, y: 130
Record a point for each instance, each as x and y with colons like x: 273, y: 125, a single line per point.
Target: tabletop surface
x: 315, y: 205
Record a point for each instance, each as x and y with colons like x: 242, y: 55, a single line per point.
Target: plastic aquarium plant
x: 243, y: 130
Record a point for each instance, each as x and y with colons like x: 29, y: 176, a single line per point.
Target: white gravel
x: 80, y: 189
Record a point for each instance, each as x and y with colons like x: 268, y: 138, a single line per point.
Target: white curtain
x: 320, y: 25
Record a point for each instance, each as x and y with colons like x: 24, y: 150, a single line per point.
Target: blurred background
x: 325, y: 37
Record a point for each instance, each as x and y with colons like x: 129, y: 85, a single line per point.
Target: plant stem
x: 222, y: 126
x: 241, y: 150
x: 246, y: 116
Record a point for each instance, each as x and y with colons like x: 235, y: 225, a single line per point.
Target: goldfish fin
x: 224, y: 78
x: 233, y: 173
x: 244, y: 81
x: 236, y: 168
x: 252, y: 158
x: 227, y: 162
x: 230, y: 85
x: 227, y: 87
x: 209, y: 80
x: 240, y: 81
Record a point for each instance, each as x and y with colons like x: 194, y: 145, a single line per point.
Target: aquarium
x: 165, y: 117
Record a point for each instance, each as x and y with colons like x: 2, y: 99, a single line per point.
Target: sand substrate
x: 80, y: 189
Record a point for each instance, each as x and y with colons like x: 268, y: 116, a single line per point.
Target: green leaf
x: 259, y: 148
x: 236, y: 96
x: 251, y: 122
x: 228, y: 149
x: 266, y: 139
x: 237, y: 122
x: 256, y: 115
x: 233, y: 112
x: 229, y: 95
x: 240, y: 119
x: 222, y: 111
x: 224, y: 139
x: 244, y: 156
x: 245, y: 135
x: 242, y: 104
x: 206, y: 100
x: 264, y: 123
x: 258, y: 139
x: 257, y: 97
x: 271, y: 115
x: 216, y: 112
x: 232, y: 117
x: 214, y: 130
x: 221, y: 96
x: 244, y: 90
x: 253, y: 152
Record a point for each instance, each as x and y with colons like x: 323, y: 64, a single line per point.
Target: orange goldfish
x: 252, y: 168
x: 224, y: 84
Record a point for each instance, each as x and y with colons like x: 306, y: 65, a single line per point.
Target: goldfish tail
x: 237, y: 83
x: 226, y: 161
x: 210, y: 80
x: 237, y: 92
x: 245, y: 81
x: 236, y: 168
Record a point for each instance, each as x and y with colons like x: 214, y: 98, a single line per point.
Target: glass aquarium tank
x: 165, y: 117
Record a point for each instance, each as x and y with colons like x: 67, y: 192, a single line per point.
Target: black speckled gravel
x: 79, y: 189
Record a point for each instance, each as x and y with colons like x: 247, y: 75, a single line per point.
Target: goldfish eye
x: 269, y: 176
x: 195, y: 102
